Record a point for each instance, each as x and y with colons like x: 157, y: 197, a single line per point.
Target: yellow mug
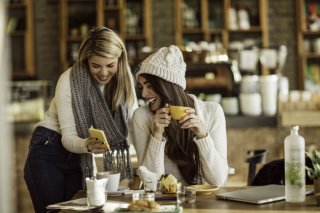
x: 178, y: 112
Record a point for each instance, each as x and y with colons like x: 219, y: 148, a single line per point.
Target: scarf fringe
x: 120, y: 161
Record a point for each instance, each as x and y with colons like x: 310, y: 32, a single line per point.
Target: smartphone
x: 98, y: 134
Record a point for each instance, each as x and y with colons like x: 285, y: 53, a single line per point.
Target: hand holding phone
x: 99, y: 136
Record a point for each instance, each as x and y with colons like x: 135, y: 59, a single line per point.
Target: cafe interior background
x: 260, y: 59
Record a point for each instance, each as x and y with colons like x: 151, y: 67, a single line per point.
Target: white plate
x: 204, y: 189
x: 120, y: 191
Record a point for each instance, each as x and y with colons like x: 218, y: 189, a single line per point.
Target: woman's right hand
x: 161, y: 120
x: 96, y: 146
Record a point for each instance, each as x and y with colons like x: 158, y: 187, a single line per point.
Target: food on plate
x: 168, y: 183
x: 143, y: 206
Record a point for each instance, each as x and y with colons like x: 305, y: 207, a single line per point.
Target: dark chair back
x: 273, y: 173
x: 254, y: 157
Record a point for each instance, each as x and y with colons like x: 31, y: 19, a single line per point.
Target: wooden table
x: 209, y: 204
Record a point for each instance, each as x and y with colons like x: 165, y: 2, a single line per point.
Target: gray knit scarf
x: 91, y: 109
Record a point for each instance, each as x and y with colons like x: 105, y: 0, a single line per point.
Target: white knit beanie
x: 167, y: 63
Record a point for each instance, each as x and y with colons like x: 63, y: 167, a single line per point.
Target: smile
x: 151, y: 101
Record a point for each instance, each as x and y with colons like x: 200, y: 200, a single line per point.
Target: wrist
x: 201, y: 135
x: 88, y: 147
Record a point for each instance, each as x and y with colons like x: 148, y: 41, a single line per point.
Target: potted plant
x: 314, y: 173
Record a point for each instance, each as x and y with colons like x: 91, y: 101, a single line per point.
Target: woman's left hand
x: 191, y: 121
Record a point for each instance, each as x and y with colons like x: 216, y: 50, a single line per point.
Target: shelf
x: 15, y: 5
x: 308, y: 62
x: 214, y: 18
x: 313, y: 55
x: 300, y: 118
x: 20, y: 28
x: 113, y: 16
x: 251, y: 30
x: 241, y: 121
x: 308, y: 32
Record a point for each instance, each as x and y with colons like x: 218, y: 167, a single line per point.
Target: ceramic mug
x: 250, y: 104
x: 178, y: 112
x: 230, y: 105
x: 113, y: 180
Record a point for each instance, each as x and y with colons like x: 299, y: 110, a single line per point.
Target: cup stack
x: 250, y: 98
x: 269, y: 93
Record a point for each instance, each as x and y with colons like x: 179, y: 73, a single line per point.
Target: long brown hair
x: 180, y: 147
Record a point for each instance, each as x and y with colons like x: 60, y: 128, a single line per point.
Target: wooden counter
x: 209, y: 204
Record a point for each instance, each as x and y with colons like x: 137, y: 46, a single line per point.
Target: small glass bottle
x: 294, y: 150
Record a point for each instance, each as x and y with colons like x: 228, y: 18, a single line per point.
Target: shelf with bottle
x: 130, y: 19
x: 308, y: 44
x: 20, y: 30
x: 137, y: 28
x: 77, y: 18
x: 198, y: 19
x: 221, y: 27
x: 111, y: 15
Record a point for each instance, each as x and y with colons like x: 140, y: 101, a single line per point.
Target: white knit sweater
x: 60, y: 118
x: 212, y: 149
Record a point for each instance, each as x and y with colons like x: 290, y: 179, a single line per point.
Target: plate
x: 163, y: 209
x: 120, y: 191
x: 204, y: 189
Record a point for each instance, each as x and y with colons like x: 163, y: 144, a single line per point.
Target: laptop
x: 257, y: 194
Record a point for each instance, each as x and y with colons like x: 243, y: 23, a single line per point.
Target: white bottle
x: 294, y: 150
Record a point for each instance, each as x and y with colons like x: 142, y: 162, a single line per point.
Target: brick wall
x: 163, y: 23
x: 46, y: 19
x: 282, y: 28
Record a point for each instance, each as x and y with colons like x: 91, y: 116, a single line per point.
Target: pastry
x: 143, y: 206
x: 168, y: 184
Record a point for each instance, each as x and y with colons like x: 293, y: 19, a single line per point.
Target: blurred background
x: 260, y: 59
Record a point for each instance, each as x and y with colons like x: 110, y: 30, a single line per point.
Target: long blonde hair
x: 106, y: 43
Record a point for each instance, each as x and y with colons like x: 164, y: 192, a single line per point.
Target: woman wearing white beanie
x: 193, y: 149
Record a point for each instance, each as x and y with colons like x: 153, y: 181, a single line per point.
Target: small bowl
x: 178, y: 112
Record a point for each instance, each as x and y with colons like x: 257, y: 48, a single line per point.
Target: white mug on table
x: 113, y: 180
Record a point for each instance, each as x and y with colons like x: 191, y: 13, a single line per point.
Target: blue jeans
x: 52, y: 174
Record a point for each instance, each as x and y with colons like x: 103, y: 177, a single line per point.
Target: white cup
x: 249, y: 84
x: 113, y: 180
x: 283, y: 84
x: 96, y: 198
x: 151, y: 186
x: 214, y: 98
x: 250, y: 104
x: 230, y: 105
x: 269, y: 94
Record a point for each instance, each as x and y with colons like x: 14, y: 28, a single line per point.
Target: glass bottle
x: 294, y: 150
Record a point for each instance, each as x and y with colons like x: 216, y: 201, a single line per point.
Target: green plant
x: 294, y: 174
x: 314, y: 172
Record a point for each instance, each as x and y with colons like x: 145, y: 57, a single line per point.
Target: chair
x: 273, y: 173
x: 254, y: 157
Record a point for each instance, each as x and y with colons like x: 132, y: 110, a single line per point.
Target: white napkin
x: 148, y: 177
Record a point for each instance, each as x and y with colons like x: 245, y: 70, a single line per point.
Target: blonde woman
x: 97, y: 91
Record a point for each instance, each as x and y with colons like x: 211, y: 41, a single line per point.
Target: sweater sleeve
x: 213, y: 149
x: 70, y: 139
x: 150, y: 151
